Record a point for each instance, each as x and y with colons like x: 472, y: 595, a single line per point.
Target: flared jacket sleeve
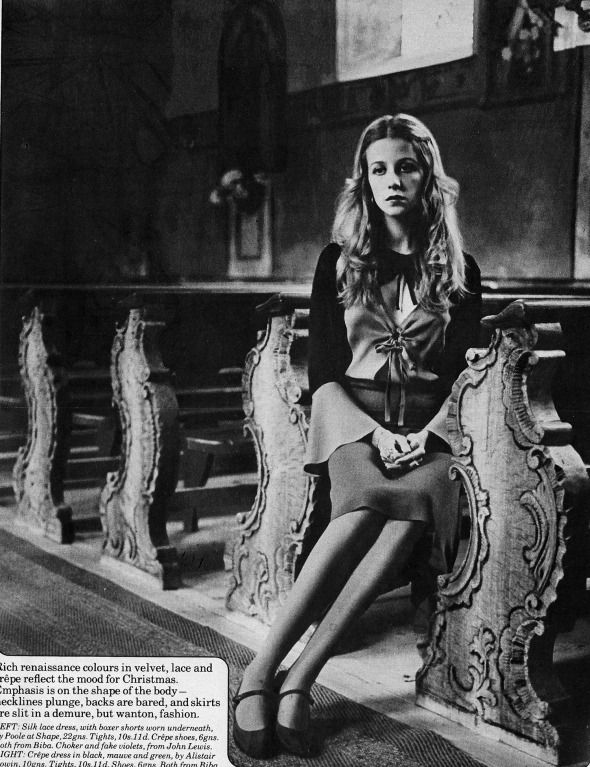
x: 335, y: 419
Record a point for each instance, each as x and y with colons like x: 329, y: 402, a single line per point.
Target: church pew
x: 522, y: 578
x: 209, y: 445
x: 39, y: 470
x: 268, y: 543
x: 134, y: 502
x: 80, y: 455
x: 57, y: 449
x: 87, y: 429
x: 219, y: 449
x: 140, y: 497
x: 13, y: 417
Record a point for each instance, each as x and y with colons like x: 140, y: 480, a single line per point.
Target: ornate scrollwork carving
x: 514, y: 665
x: 39, y: 471
x: 458, y: 587
x: 522, y: 481
x: 274, y: 385
x: 515, y: 397
x: 134, y: 499
x: 482, y: 672
x: 548, y: 545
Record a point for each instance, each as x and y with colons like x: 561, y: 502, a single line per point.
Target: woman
x: 395, y: 305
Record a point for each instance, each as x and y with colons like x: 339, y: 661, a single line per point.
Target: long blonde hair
x: 358, y: 223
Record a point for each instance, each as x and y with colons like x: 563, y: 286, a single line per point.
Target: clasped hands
x: 398, y: 452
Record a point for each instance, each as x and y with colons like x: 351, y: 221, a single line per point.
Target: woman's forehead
x: 389, y: 149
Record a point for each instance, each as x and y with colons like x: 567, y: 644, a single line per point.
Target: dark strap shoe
x: 259, y: 744
x: 295, y: 741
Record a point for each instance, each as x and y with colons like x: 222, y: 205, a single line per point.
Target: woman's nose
x: 394, y: 180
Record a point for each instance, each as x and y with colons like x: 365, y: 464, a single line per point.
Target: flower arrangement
x: 529, y: 25
x: 582, y: 8
x: 245, y: 190
x: 525, y: 37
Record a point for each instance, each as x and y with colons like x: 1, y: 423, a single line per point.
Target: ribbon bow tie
x: 395, y: 343
x: 395, y: 346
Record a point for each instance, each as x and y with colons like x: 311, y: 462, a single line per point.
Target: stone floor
x: 378, y: 667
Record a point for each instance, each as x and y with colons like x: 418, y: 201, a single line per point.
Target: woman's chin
x: 396, y: 211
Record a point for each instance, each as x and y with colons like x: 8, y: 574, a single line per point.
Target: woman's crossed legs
x: 359, y: 554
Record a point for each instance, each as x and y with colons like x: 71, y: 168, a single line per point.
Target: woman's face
x: 395, y: 176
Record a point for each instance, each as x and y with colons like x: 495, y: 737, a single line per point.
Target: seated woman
x: 395, y: 305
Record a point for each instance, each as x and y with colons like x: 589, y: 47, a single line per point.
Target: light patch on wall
x: 569, y: 34
x: 441, y: 30
x: 368, y: 37
x: 377, y: 37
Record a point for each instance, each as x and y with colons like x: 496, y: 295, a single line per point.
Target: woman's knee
x: 404, y: 531
x: 360, y: 524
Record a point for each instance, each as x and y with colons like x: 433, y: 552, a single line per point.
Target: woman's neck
x: 398, y: 236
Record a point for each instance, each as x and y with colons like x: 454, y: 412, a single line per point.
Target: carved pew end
x: 38, y: 473
x: 264, y: 551
x: 488, y: 730
x: 490, y: 659
x: 134, y: 501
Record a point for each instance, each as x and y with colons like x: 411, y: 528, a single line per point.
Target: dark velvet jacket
x: 329, y: 350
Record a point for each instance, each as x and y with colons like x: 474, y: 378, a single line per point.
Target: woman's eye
x: 378, y: 170
x: 407, y: 167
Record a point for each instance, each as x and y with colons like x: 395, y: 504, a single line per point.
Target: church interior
x: 169, y: 176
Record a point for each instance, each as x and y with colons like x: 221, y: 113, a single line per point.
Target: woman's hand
x: 397, y: 451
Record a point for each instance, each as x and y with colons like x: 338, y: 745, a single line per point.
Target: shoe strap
x: 295, y: 691
x: 242, y: 695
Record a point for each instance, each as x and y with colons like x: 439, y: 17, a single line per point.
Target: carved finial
x: 512, y: 316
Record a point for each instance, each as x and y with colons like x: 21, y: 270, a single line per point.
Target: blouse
x: 396, y: 342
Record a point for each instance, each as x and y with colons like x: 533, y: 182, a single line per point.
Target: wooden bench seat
x: 90, y: 444
x: 202, y: 446
x: 193, y: 417
x: 207, y: 406
x: 10, y: 441
x: 13, y: 413
x: 201, y: 449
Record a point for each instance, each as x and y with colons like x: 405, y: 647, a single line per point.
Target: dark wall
x: 517, y: 169
x: 516, y: 165
x: 84, y: 139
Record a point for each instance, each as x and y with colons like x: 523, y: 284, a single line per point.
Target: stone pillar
x: 489, y: 664
x: 38, y: 474
x: 268, y: 543
x: 134, y: 500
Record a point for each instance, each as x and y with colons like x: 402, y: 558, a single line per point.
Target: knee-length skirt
x: 359, y: 480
